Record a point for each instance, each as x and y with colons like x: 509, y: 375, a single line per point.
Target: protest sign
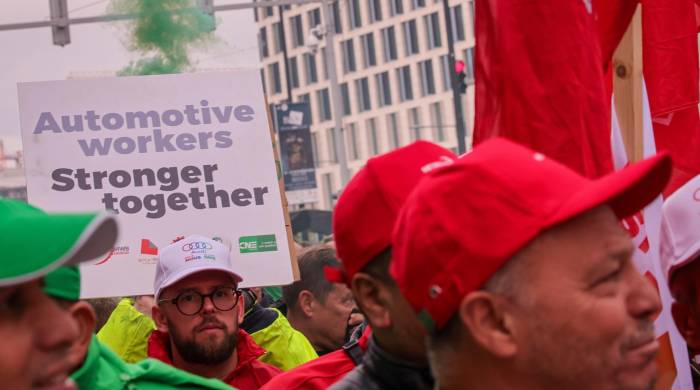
x: 292, y: 121
x: 172, y: 155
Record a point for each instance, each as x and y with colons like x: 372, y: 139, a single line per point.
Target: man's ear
x: 306, y: 302
x: 159, y: 318
x: 372, y: 299
x: 490, y: 322
x: 84, y: 316
x: 240, y: 307
x: 86, y: 319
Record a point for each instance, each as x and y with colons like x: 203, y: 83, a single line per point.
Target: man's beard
x: 209, y: 352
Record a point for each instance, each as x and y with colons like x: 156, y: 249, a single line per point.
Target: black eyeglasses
x: 190, y: 303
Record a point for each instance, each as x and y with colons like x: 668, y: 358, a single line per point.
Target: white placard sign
x: 173, y: 155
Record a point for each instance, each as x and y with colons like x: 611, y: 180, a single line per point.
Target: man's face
x: 584, y: 316
x: 36, y: 334
x: 331, y: 317
x: 407, y: 327
x: 210, y: 336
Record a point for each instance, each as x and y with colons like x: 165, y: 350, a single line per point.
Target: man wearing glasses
x: 198, y: 309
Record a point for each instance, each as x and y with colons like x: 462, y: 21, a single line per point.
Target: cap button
x: 538, y: 157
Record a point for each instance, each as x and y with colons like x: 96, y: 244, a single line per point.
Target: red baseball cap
x: 364, y: 216
x: 463, y: 222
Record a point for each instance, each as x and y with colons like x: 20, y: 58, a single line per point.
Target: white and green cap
x: 35, y: 242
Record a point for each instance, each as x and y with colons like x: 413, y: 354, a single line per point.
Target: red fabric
x: 670, y: 56
x: 249, y: 374
x: 318, y: 374
x: 612, y: 17
x: 539, y: 80
x: 365, y: 213
x: 464, y: 221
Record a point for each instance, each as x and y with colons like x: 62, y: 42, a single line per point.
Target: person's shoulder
x: 316, y: 374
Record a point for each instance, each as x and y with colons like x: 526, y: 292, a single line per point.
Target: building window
x: 427, y: 77
x: 354, y: 151
x: 297, y: 31
x: 348, y: 56
x: 468, y: 54
x: 354, y: 16
x: 415, y: 4
x: 383, y: 89
x: 432, y: 29
x: 314, y: 17
x: 369, y: 54
x: 457, y: 23
x: 389, y: 43
x: 375, y: 10
x: 269, y: 11
x: 311, y: 71
x: 372, y: 137
x: 262, y: 39
x: 330, y: 138
x: 414, y: 123
x: 294, y: 72
x: 345, y: 95
x: 327, y: 179
x: 274, y: 77
x: 437, y: 122
x: 337, y: 23
x: 277, y: 36
x: 324, y: 104
x: 363, y: 99
x: 403, y: 75
x: 410, y: 37
x: 447, y: 72
x: 392, y: 125
x: 395, y: 7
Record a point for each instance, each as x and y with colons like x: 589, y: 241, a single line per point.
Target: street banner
x: 292, y: 122
x: 171, y: 155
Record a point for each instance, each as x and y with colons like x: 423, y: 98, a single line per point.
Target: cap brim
x: 625, y: 191
x: 36, y: 243
x: 191, y: 271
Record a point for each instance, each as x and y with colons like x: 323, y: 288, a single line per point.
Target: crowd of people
x: 500, y: 269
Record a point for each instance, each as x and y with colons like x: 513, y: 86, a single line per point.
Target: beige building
x: 392, y: 66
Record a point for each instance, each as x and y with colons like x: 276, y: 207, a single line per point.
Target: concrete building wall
x: 428, y: 114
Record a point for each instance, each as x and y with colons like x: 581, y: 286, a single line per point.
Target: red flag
x: 539, y: 80
x: 613, y: 17
x: 670, y: 53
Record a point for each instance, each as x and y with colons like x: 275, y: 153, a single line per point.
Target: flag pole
x: 627, y: 87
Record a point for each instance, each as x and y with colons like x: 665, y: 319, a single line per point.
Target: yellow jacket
x: 286, y: 347
x: 126, y: 332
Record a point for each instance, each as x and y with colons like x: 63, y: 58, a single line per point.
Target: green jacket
x: 286, y: 347
x: 126, y: 332
x: 104, y: 370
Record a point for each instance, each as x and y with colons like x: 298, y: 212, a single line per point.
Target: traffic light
x: 461, y: 76
x: 61, y: 32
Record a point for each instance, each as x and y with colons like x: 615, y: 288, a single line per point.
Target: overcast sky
x: 29, y: 55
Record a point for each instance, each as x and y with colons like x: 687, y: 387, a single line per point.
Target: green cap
x: 35, y: 242
x: 64, y: 283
